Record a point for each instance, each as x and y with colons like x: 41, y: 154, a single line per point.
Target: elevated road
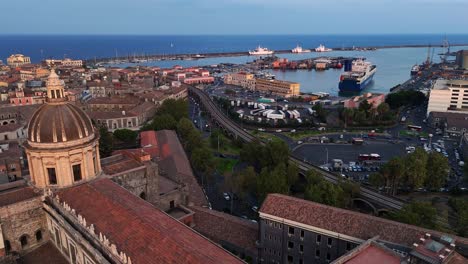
x: 368, y: 194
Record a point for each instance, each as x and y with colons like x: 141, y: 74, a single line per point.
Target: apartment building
x: 448, y: 96
x: 278, y: 87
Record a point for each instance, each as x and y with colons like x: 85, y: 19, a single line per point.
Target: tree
x: 416, y: 168
x: 106, y: 142
x: 176, y: 108
x: 360, y: 116
x: 320, y: 112
x: 202, y: 160
x: 437, y: 170
x: 126, y: 135
x: 326, y: 193
x: 274, y: 153
x: 184, y: 128
x: 293, y: 174
x: 217, y: 140
x: 194, y: 140
x: 348, y: 114
x: 272, y: 181
x: 163, y: 121
x: 351, y: 190
x: 465, y: 169
x: 252, y: 153
x: 365, y: 106
x: 313, y: 177
x: 377, y: 180
x: 393, y: 173
x: 382, y: 109
x: 416, y: 213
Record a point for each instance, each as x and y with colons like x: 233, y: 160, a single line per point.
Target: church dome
x: 62, y: 122
x: 58, y: 121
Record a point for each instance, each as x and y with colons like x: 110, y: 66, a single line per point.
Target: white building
x: 243, y: 79
x: 448, y: 96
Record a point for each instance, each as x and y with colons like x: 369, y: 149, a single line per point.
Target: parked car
x: 226, y: 196
x: 255, y: 208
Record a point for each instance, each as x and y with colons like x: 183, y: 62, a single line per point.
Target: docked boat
x: 322, y: 48
x: 261, y: 51
x: 415, y: 70
x: 356, y: 76
x: 299, y: 49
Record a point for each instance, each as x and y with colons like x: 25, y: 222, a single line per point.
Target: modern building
x: 374, y: 99
x: 448, y: 96
x: 292, y: 230
x: 462, y: 59
x: 452, y: 124
x: 16, y: 60
x: 277, y: 87
x: 243, y: 79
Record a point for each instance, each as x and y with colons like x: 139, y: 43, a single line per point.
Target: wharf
x: 188, y: 56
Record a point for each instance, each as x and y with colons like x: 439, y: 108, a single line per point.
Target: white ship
x: 260, y: 51
x: 322, y: 48
x: 298, y: 49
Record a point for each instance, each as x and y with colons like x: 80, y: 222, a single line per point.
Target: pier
x: 191, y: 56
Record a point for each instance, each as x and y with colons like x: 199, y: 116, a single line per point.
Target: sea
x: 393, y: 65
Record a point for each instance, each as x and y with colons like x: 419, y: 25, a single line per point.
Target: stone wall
x: 23, y: 219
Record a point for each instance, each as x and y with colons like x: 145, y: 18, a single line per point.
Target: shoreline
x: 191, y: 56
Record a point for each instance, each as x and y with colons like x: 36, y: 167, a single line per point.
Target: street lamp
x: 430, y: 139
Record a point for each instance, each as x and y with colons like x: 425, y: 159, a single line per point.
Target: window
x: 38, y: 235
x: 76, y: 172
x: 301, y: 261
x: 7, y: 246
x: 290, y: 245
x: 290, y: 259
x: 348, y: 246
x: 329, y: 241
x: 171, y: 204
x: 328, y: 256
x: 291, y: 230
x: 301, y: 248
x: 302, y: 233
x: 52, y: 175
x: 24, y: 241
x: 317, y: 253
x: 72, y: 252
x: 319, y: 239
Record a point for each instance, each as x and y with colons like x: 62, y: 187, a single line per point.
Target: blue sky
x: 233, y: 16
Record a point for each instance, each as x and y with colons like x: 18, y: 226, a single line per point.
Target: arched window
x: 7, y: 246
x: 24, y: 241
x: 143, y: 195
x: 38, y: 235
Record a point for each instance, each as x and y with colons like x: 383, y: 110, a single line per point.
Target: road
x: 367, y: 193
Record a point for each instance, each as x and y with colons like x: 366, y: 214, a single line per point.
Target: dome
x: 62, y: 122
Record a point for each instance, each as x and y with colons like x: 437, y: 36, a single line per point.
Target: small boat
x: 298, y: 49
x: 261, y: 51
x: 321, y: 48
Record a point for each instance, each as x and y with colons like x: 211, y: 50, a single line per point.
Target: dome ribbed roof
x: 63, y: 122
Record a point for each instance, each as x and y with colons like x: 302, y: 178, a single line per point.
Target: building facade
x: 448, y: 96
x: 242, y: 79
x: 279, y: 88
x: 16, y: 60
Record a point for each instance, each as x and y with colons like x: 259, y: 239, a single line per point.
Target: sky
x: 221, y: 17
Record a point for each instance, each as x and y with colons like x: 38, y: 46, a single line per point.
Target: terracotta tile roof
x: 119, y: 163
x: 370, y: 252
x: 220, y: 226
x: 143, y: 232
x: 345, y: 222
x: 44, y: 254
x: 17, y: 195
x: 456, y: 258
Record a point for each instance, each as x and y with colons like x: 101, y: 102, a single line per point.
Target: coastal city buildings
x: 278, y: 87
x: 16, y: 60
x: 243, y: 79
x: 462, y: 59
x: 448, y: 96
x: 65, y: 63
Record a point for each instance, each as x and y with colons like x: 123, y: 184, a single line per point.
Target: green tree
x: 126, y: 135
x: 106, y: 142
x: 293, y: 174
x: 351, y: 190
x: 202, y: 160
x: 163, y: 121
x: 176, y: 108
x: 393, y: 172
x: 360, y: 116
x: 272, y: 181
x: 377, y: 180
x: 365, y: 106
x: 274, y: 153
x: 313, y: 177
x: 416, y: 168
x: 184, y: 128
x: 417, y: 213
x: 326, y: 193
x: 437, y: 170
x: 217, y: 139
x: 383, y: 109
x: 194, y: 140
x: 348, y: 114
x: 320, y: 112
x: 252, y: 153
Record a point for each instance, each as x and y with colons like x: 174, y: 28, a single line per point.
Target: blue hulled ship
x: 358, y: 74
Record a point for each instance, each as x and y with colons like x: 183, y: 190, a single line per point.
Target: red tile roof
x: 372, y: 253
x: 17, y: 195
x: 143, y: 232
x: 345, y: 222
x: 44, y: 254
x: 219, y: 227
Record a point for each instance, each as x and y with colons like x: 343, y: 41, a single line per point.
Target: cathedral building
x: 72, y: 211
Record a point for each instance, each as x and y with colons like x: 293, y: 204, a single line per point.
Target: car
x: 244, y: 216
x: 279, y: 130
x: 293, y: 131
x: 253, y: 221
x: 261, y: 129
x: 226, y: 196
x: 255, y: 208
x: 299, y: 142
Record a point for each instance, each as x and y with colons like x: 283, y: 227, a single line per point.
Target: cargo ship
x: 358, y: 74
x: 260, y: 51
x: 415, y: 70
x: 299, y: 49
